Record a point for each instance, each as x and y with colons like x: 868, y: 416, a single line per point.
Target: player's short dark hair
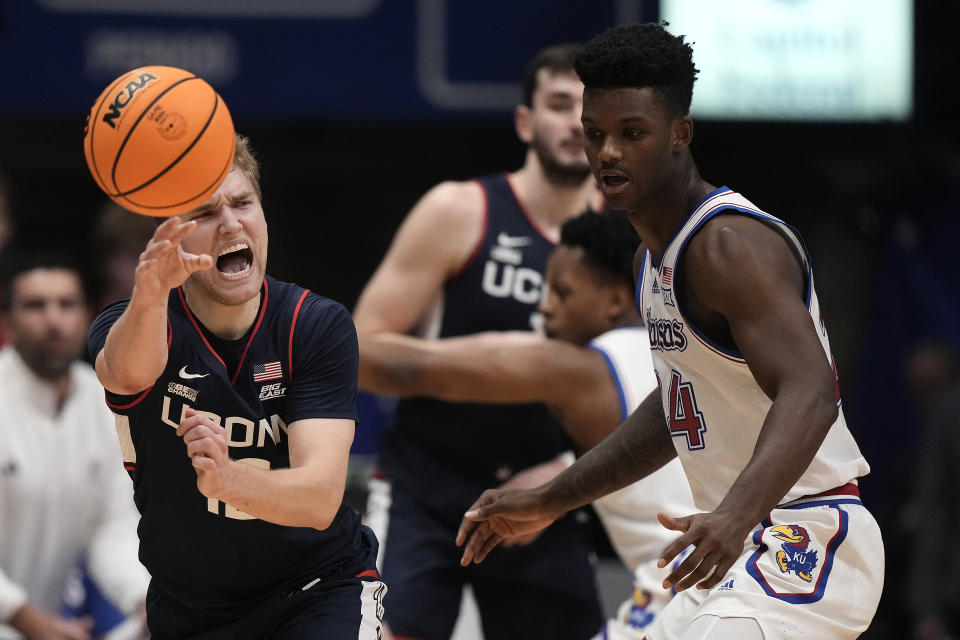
x: 16, y: 261
x: 557, y: 58
x: 637, y: 56
x: 608, y: 240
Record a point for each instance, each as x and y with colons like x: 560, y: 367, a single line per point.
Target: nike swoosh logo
x: 512, y: 241
x: 189, y: 376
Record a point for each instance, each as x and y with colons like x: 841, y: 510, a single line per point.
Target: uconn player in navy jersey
x: 470, y: 257
x: 234, y: 396
x: 748, y: 396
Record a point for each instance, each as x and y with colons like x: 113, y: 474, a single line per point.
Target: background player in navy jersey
x: 470, y: 257
x: 234, y: 396
x: 784, y: 549
x: 591, y: 372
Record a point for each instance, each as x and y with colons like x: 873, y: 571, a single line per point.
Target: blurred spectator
x: 119, y: 238
x: 63, y: 494
x: 933, y: 580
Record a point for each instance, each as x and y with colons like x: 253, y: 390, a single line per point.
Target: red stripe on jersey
x: 526, y: 213
x: 256, y: 327
x: 127, y: 406
x: 193, y: 321
x: 369, y: 573
x: 293, y: 324
x: 483, y: 232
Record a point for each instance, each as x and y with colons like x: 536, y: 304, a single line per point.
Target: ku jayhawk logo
x: 795, y: 555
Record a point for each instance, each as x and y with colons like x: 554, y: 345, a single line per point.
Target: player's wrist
x: 148, y: 298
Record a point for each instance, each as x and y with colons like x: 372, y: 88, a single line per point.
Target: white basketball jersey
x: 630, y: 514
x: 714, y: 406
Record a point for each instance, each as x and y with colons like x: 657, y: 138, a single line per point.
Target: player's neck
x: 226, y: 321
x: 660, y: 216
x: 551, y: 204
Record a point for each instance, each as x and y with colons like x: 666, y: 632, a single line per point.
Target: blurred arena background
x: 840, y: 117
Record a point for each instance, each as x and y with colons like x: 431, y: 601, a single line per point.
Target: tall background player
x: 470, y: 257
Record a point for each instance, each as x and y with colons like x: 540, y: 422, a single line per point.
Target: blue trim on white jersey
x: 826, y: 502
x: 712, y: 194
x: 735, y: 353
x: 618, y: 383
x: 801, y: 598
x: 638, y: 290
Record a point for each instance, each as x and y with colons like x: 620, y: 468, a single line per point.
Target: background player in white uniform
x: 785, y: 549
x: 591, y: 374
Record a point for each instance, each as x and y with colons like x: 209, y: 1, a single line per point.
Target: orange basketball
x: 159, y: 141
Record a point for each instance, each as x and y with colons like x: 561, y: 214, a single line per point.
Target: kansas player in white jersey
x: 591, y: 374
x: 748, y: 392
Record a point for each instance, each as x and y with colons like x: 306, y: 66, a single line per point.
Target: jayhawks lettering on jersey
x: 298, y: 361
x: 714, y: 407
x: 630, y: 514
x: 450, y: 452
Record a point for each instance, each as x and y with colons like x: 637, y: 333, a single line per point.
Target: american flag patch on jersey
x: 667, y: 278
x: 267, y: 371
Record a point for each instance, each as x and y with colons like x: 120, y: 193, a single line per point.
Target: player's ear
x: 523, y: 121
x: 681, y: 132
x: 620, y: 302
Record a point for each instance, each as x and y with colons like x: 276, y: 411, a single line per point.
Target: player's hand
x: 497, y: 515
x: 164, y: 264
x: 718, y: 541
x: 35, y: 624
x: 528, y: 479
x: 208, y: 450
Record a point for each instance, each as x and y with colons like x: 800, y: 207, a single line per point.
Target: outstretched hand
x: 497, y: 515
x: 718, y: 541
x: 164, y: 264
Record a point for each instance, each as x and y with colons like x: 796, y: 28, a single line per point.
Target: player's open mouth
x: 612, y: 184
x: 613, y: 181
x: 234, y: 261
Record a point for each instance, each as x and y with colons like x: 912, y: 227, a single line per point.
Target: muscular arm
x: 432, y: 244
x: 135, y: 352
x: 308, y: 494
x: 637, y: 448
x: 497, y: 367
x: 746, y: 272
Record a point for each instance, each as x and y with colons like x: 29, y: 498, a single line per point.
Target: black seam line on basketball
x: 219, y: 178
x: 116, y: 160
x: 92, y: 129
x: 216, y: 103
x: 222, y: 173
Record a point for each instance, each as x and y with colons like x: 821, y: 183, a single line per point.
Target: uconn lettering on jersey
x: 241, y: 432
x: 666, y: 334
x: 503, y: 277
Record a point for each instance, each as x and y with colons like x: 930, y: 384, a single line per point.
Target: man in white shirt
x: 63, y: 493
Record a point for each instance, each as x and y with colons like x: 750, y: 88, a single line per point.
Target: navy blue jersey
x: 299, y: 360
x: 448, y: 453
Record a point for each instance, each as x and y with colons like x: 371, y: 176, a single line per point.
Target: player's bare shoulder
x: 460, y: 202
x: 453, y: 213
x: 737, y: 252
